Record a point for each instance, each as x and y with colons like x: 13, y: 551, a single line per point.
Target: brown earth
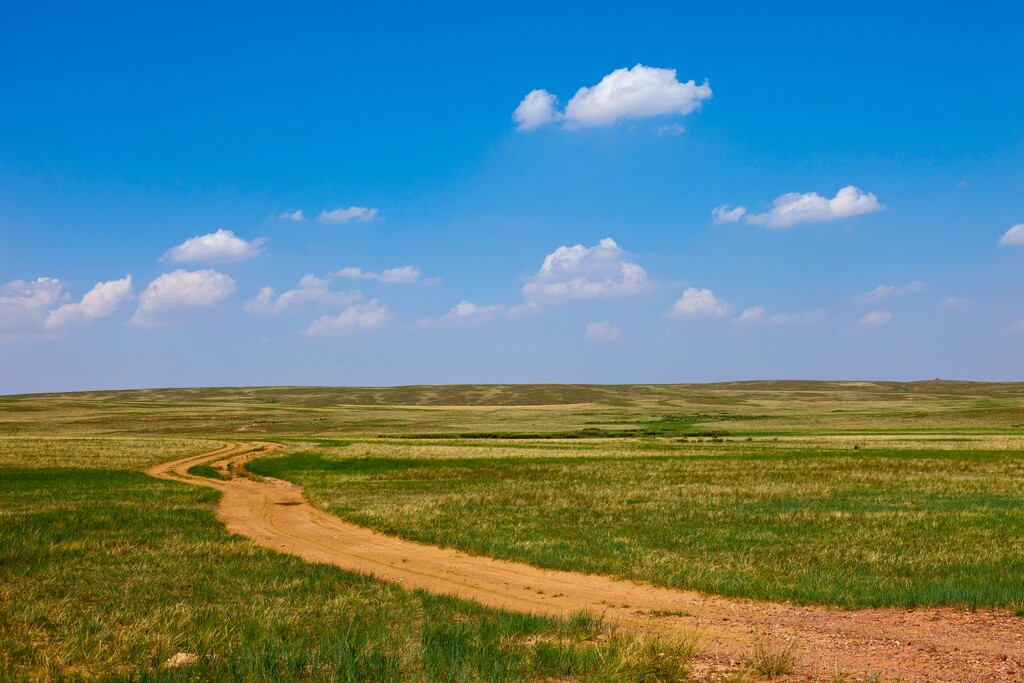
x: 897, y: 644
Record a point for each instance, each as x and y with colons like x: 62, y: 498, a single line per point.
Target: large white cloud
x: 222, y: 246
x: 174, y: 293
x: 356, y: 318
x: 639, y: 92
x: 101, y: 301
x: 699, y: 303
x: 579, y: 272
x: 311, y: 291
x: 794, y: 207
x: 359, y: 214
x: 403, y: 275
x: 24, y: 305
x: 882, y: 292
x: 1014, y: 237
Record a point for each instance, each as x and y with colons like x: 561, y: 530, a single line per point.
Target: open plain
x: 796, y: 530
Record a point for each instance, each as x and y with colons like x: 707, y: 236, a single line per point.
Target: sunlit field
x: 845, y: 494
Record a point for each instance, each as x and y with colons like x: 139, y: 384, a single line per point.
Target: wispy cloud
x: 882, y: 292
x: 356, y: 214
x: 403, y: 275
x: 640, y: 92
x: 875, y: 319
x: 602, y: 331
x: 295, y: 215
x: 794, y: 207
x: 355, y: 318
x: 312, y: 291
x: 222, y: 246
x: 1014, y: 237
x: 757, y: 315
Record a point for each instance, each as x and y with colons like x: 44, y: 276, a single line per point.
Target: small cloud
x: 355, y: 318
x: 882, y: 292
x: 700, y: 303
x: 403, y: 275
x: 172, y: 294
x: 794, y: 207
x: 579, y: 272
x: 466, y: 311
x: 1014, y: 237
x: 311, y: 291
x: 536, y: 109
x: 295, y: 215
x: 756, y: 315
x: 222, y: 246
x: 1017, y: 326
x: 602, y: 331
x: 671, y: 129
x: 640, y: 92
x: 955, y: 302
x: 101, y: 301
x: 358, y: 214
x: 962, y: 184
x: 875, y: 319
x: 723, y: 214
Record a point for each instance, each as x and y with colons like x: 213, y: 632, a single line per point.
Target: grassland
x: 839, y: 493
x: 108, y: 573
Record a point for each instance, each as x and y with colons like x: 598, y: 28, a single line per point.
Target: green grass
x: 107, y: 573
x: 849, y: 528
x: 206, y: 471
x: 844, y: 493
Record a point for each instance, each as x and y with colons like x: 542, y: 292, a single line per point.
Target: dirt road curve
x: 900, y: 645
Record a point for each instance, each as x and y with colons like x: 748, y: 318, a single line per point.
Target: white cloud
x: 1014, y: 237
x: 882, y: 292
x: 794, y: 207
x: 101, y: 301
x: 355, y: 318
x: 756, y: 315
x: 580, y: 272
x: 955, y: 302
x: 311, y: 290
x: 875, y: 319
x: 295, y: 215
x: 536, y: 109
x: 222, y: 246
x: 182, y: 290
x: 699, y: 303
x: 359, y: 214
x: 640, y: 92
x: 466, y: 311
x: 723, y: 214
x: 602, y: 331
x: 671, y: 129
x: 24, y: 306
x: 403, y: 275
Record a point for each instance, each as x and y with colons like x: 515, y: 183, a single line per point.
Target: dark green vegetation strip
x: 205, y: 471
x: 849, y: 528
x: 106, y: 574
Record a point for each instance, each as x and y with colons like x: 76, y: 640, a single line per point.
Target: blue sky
x: 445, y: 241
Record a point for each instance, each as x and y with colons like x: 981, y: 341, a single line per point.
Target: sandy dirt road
x: 898, y: 644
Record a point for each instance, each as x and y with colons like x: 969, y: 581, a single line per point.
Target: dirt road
x: 900, y: 645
